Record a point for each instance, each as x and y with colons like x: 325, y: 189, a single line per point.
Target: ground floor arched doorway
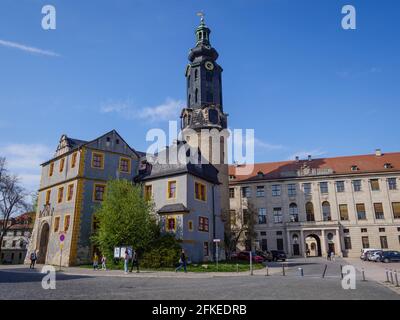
x: 313, y: 245
x: 43, y: 242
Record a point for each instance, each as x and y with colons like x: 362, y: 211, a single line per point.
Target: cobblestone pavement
x: 77, y: 283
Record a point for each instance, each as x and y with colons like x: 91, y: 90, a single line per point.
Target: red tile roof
x: 339, y: 165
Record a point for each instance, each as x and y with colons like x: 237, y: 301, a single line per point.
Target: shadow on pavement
x: 14, y: 276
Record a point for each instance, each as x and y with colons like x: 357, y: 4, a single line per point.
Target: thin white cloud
x: 28, y: 49
x: 24, y: 160
x: 267, y: 146
x: 169, y: 110
x: 305, y: 154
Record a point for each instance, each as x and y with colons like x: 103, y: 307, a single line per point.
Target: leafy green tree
x: 124, y: 218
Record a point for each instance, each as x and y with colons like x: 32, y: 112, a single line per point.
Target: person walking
x: 182, y: 262
x: 33, y: 258
x: 135, y: 261
x: 332, y: 256
x: 103, y: 262
x: 95, y: 262
x: 126, y: 261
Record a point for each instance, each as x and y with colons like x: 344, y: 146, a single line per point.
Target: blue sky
x: 290, y: 72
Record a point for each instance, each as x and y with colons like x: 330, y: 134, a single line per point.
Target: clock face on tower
x: 209, y: 65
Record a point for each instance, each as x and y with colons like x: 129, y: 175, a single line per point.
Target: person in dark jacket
x: 182, y: 262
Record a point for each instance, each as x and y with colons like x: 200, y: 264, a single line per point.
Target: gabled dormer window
x: 388, y: 166
x: 354, y: 168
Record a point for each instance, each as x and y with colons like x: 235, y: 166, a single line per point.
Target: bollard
x: 391, y: 277
x: 397, y: 280
x: 301, y: 271
x: 341, y: 272
x: 283, y: 269
x: 237, y: 267
x: 326, y: 267
x: 266, y: 267
x: 363, y: 274
x: 387, y: 275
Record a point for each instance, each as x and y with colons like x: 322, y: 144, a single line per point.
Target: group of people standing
x: 96, y: 262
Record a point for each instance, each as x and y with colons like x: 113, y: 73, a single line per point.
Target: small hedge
x: 164, y: 252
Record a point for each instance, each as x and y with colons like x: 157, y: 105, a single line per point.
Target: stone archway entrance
x: 43, y: 242
x: 313, y: 245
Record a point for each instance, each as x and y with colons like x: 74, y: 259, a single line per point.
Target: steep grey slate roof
x: 157, y: 170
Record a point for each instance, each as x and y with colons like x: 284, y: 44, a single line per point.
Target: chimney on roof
x: 297, y: 158
x: 309, y: 157
x: 378, y: 152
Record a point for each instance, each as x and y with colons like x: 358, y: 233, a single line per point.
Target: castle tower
x: 204, y: 112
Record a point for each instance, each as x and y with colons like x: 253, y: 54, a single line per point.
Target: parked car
x: 369, y: 254
x: 375, y: 256
x: 364, y: 252
x: 276, y: 255
x: 262, y: 254
x: 245, y: 256
x: 390, y: 256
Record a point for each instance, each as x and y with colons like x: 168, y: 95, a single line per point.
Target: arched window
x: 326, y: 211
x: 293, y: 212
x: 196, y: 74
x: 310, y: 211
x: 196, y: 97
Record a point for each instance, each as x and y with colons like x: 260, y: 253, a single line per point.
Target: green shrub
x: 163, y: 252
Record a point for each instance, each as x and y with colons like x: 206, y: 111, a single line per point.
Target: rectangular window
x: 264, y: 245
x: 73, y: 160
x: 246, y: 192
x: 4, y: 243
x: 62, y: 162
x: 392, y: 183
x: 374, y: 184
x: 396, y: 210
x: 381, y: 229
x: 262, y: 216
x: 205, y: 249
x: 51, y: 169
x: 203, y: 224
x: 279, y: 244
x: 276, y: 190
x: 125, y: 165
x: 277, y: 215
x: 361, y: 214
x: 48, y: 195
x: 291, y: 190
x: 171, y: 189
x: 14, y: 243
x: 379, y: 214
x: 245, y: 217
x: 365, y: 242
x: 339, y: 186
x: 260, y: 191
x: 347, y: 243
x: 60, y: 195
x: 67, y: 219
x: 384, y: 243
x: 70, y: 192
x: 200, y: 191
x: 344, y: 212
x: 56, y: 224
x: 307, y: 188
x: 364, y: 230
x: 148, y: 192
x: 171, y: 224
x: 190, y: 225
x: 323, y: 186
x: 231, y: 193
x: 357, y: 185
x: 99, y: 190
x: 97, y: 160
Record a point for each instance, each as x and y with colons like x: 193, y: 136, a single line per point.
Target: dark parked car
x: 245, y: 256
x: 390, y: 256
x: 276, y: 255
x: 263, y: 254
